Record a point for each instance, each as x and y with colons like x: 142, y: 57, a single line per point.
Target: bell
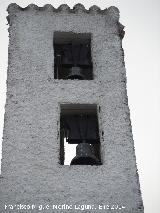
x: 75, y: 73
x: 84, y: 155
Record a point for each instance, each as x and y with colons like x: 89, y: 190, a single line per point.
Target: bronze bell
x: 75, y: 73
x: 84, y: 155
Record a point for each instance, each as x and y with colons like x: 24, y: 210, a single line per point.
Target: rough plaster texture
x: 31, y: 173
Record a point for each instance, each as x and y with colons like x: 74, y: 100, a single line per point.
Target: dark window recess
x: 79, y: 125
x: 72, y: 56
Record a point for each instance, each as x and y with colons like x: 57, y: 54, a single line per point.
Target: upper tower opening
x: 72, y: 56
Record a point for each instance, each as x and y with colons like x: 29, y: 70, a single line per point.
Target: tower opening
x: 72, y: 56
x: 79, y: 126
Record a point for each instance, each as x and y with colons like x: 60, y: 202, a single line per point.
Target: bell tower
x: 66, y: 85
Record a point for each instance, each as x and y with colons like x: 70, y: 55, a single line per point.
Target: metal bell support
x: 75, y: 73
x: 84, y: 155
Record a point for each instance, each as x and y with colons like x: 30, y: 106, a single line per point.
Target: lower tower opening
x: 79, y: 135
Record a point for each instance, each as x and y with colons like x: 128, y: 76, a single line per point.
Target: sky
x: 142, y: 50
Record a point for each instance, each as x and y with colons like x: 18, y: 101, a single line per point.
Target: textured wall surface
x: 31, y: 173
